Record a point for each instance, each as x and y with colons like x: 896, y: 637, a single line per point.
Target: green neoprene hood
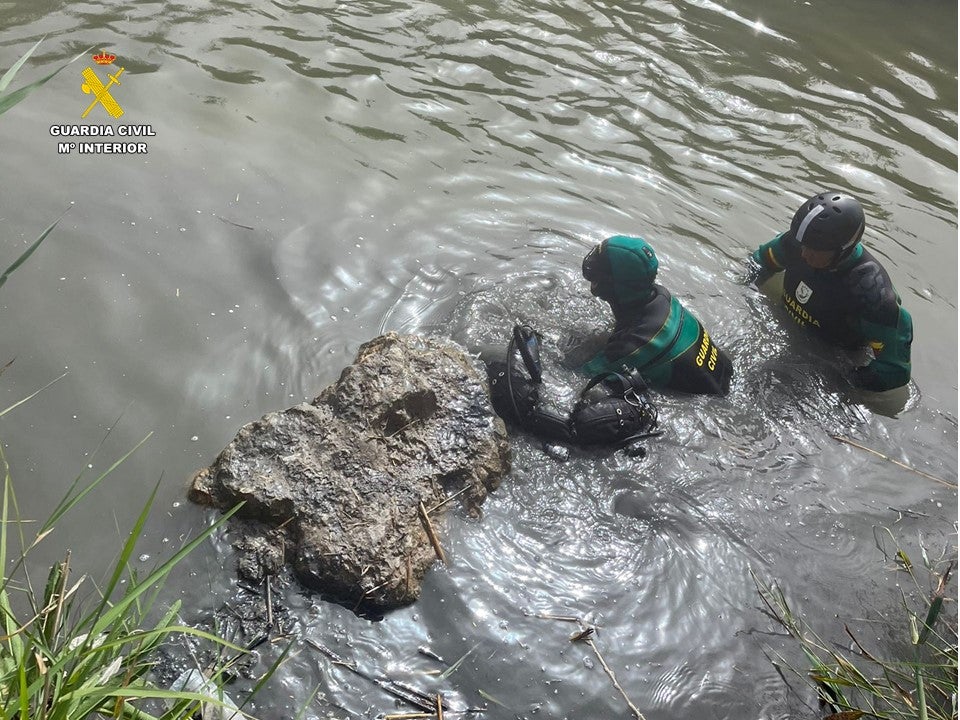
x: 633, y: 267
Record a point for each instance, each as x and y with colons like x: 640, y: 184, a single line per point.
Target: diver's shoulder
x: 869, y: 284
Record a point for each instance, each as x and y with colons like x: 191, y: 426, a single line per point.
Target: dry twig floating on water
x: 848, y: 441
x: 586, y: 635
x: 428, y: 526
x: 613, y: 678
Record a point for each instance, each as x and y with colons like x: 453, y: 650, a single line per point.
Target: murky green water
x: 325, y: 171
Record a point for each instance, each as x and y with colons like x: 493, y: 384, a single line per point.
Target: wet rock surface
x: 333, y: 488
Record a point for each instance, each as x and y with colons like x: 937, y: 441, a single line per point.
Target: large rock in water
x: 333, y: 486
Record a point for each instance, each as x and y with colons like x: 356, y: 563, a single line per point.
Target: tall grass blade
x: 76, y: 481
x: 30, y: 250
x: 159, y: 574
x: 920, y: 685
x: 267, y: 675
x: 144, y: 692
x: 58, y: 665
x: 111, y: 618
x: 487, y: 696
x: 10, y: 624
x: 52, y: 596
x: 125, y: 554
x: 456, y: 666
x: 9, y: 74
x: 306, y: 703
x: 68, y: 502
x: 921, y: 693
x: 158, y: 633
x: 936, y: 604
x: 31, y: 396
x: 8, y: 100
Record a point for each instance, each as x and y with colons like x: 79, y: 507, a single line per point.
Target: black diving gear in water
x: 622, y: 415
x: 528, y: 343
x: 625, y: 415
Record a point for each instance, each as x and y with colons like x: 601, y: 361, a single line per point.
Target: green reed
x: 67, y: 653
x: 7, y: 101
x: 854, y: 681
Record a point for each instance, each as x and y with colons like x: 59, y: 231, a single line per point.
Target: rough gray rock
x: 333, y: 486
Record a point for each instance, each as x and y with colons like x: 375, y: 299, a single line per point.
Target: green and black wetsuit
x: 853, y: 305
x: 654, y: 333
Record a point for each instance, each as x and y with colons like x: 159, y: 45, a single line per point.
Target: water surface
x: 326, y: 171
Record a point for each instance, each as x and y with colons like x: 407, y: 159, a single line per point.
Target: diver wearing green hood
x: 654, y: 334
x: 656, y: 343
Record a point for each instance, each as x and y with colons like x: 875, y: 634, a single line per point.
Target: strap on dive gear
x: 551, y: 424
x: 541, y: 421
x: 524, y: 338
x: 520, y: 394
x: 626, y: 416
x: 528, y: 343
x: 632, y: 385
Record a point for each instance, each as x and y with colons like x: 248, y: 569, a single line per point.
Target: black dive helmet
x: 830, y: 220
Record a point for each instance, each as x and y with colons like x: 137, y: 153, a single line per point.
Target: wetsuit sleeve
x: 890, y: 367
x: 771, y: 256
x: 596, y: 365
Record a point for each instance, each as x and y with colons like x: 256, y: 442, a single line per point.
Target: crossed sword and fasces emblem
x: 101, y: 92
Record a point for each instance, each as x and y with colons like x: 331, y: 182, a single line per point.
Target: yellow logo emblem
x: 101, y: 93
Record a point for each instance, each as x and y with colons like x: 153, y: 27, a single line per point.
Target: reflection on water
x: 323, y: 172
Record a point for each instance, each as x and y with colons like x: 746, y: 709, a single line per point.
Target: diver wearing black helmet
x: 838, y: 289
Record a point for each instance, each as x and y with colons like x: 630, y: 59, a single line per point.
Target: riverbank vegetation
x: 72, y: 650
x: 855, y: 680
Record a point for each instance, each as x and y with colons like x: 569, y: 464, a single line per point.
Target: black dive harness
x: 625, y: 415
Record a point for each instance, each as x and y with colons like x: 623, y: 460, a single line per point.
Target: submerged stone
x: 333, y: 487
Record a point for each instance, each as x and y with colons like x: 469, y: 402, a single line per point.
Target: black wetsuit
x: 663, y: 340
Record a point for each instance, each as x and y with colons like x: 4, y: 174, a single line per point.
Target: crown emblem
x: 104, y: 58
